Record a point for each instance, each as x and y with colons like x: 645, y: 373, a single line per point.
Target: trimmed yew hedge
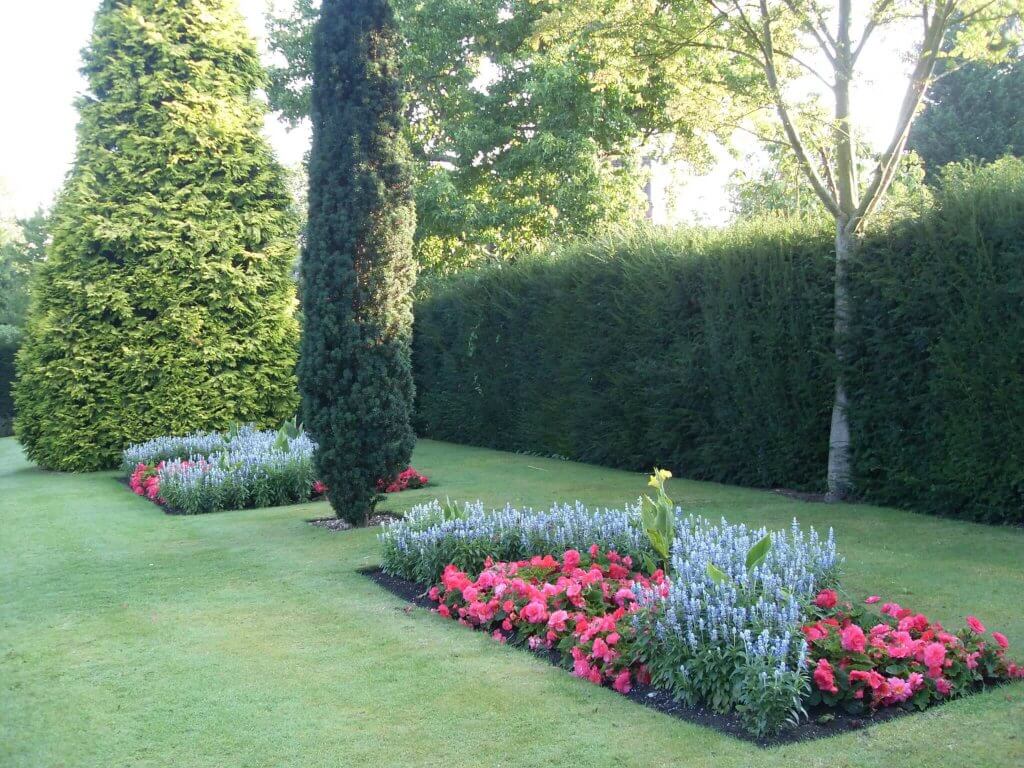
x: 709, y: 353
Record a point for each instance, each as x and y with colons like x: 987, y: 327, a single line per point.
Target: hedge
x: 937, y: 372
x: 710, y: 353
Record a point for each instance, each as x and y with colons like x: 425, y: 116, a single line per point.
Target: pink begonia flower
x: 934, y: 655
x: 535, y: 612
x: 853, y: 639
x: 1000, y: 639
x: 899, y: 689
x: 943, y: 686
x: 622, y: 684
x: 557, y: 620
x: 975, y: 625
x: 872, y: 600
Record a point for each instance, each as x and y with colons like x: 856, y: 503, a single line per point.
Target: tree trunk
x: 840, y: 474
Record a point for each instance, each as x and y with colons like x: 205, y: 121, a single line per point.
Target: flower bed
x: 748, y: 623
x: 244, y: 468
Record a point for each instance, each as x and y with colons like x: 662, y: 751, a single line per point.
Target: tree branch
x: 796, y: 142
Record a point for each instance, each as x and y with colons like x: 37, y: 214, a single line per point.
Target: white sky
x: 40, y: 41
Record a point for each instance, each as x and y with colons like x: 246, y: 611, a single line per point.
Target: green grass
x: 129, y: 638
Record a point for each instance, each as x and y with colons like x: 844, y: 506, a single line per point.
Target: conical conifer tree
x: 354, y: 371
x: 165, y: 304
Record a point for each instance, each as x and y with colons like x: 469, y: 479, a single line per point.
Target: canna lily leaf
x: 758, y: 552
x: 717, y: 574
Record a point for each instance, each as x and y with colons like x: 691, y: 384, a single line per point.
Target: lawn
x: 130, y: 638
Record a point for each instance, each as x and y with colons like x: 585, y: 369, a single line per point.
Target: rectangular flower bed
x: 749, y: 625
x: 238, y: 469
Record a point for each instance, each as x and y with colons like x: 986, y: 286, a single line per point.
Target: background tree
x: 748, y: 52
x: 974, y: 111
x: 355, y: 374
x: 511, y: 142
x: 22, y: 248
x: 164, y: 304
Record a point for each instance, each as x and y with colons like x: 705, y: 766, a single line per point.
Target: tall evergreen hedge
x: 937, y: 375
x: 165, y: 304
x: 710, y: 354
x: 357, y: 269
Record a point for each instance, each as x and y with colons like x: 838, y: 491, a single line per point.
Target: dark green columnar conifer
x: 355, y: 376
x: 165, y: 303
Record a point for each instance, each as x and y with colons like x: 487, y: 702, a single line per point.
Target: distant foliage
x: 355, y: 376
x: 709, y: 354
x: 165, y: 303
x: 975, y: 112
x: 10, y: 339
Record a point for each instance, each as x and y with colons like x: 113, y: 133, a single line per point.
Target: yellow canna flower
x: 664, y: 474
x: 654, y: 482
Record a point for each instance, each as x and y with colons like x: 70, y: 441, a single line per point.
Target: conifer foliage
x: 355, y: 376
x: 165, y: 304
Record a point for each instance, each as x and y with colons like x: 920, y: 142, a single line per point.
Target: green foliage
x: 936, y: 377
x: 512, y: 144
x: 975, y: 111
x: 355, y: 375
x: 707, y: 353
x: 165, y: 304
x: 22, y: 247
x: 10, y: 339
x: 710, y: 353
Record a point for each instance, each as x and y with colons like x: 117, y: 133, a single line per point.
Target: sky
x: 40, y: 42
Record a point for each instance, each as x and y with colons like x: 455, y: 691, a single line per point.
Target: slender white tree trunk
x: 840, y: 473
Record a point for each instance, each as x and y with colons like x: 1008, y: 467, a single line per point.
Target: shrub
x: 165, y: 303
x: 355, y: 375
x: 704, y: 353
x: 432, y: 536
x: 710, y: 352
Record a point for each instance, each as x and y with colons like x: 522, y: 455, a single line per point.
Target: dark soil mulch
x: 821, y: 723
x: 335, y: 524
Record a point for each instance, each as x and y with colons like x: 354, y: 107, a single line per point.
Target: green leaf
x: 717, y: 574
x: 758, y: 552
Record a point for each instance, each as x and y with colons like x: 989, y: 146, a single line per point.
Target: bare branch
x: 924, y: 67
x: 795, y: 140
x: 870, y: 27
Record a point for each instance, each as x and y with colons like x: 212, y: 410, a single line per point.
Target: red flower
x: 826, y: 599
x: 824, y: 677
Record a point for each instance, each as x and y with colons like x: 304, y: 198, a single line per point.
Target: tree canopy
x: 512, y: 142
